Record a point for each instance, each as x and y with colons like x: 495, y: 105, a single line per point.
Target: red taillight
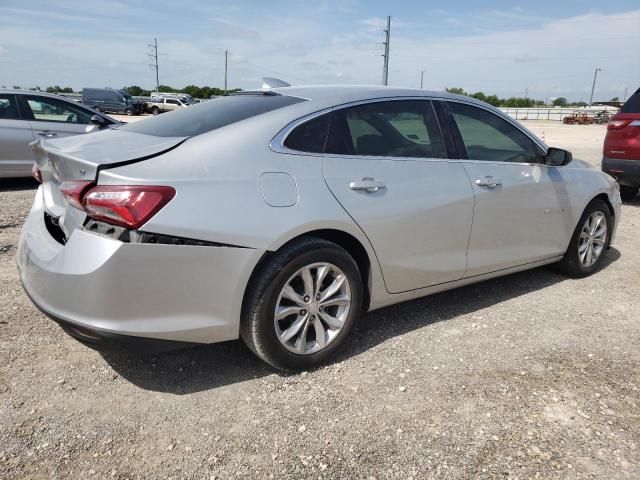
x: 615, y: 124
x: 73, y: 192
x: 37, y: 174
x: 127, y: 206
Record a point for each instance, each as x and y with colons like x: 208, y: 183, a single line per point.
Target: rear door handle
x: 489, y: 182
x: 367, y: 184
x: 47, y: 134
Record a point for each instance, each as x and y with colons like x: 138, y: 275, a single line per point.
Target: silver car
x: 279, y: 217
x: 27, y: 115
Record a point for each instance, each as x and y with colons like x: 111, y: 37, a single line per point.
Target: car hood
x: 81, y: 157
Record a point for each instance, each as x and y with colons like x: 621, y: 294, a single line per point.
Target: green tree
x: 16, y: 87
x: 560, y: 102
x: 134, y: 90
x: 193, y: 91
x: 67, y: 90
x: 457, y: 90
x: 614, y: 99
x: 493, y: 100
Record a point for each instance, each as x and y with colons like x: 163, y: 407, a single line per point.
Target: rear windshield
x: 206, y: 116
x: 633, y: 104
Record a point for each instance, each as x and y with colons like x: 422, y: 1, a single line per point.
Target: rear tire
x: 628, y: 193
x: 588, y: 244
x: 155, y: 110
x: 320, y: 329
x: 129, y: 112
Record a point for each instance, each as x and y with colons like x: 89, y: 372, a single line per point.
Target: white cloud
x: 550, y: 58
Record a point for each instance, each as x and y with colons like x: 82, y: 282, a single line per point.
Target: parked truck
x: 159, y: 105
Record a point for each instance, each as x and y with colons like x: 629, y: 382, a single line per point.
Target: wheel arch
x: 605, y: 198
x: 350, y: 243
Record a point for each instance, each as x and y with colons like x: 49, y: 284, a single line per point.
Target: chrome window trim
x: 277, y: 143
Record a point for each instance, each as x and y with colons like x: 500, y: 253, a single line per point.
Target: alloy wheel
x: 592, y: 239
x: 312, y: 308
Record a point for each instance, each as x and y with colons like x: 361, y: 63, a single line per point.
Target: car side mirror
x: 99, y: 121
x: 557, y: 157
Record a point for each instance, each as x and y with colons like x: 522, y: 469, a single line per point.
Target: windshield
x: 208, y: 116
x: 128, y: 99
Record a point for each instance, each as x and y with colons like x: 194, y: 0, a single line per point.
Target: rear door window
x: 399, y: 128
x: 8, y: 107
x: 207, y: 116
x: 632, y: 105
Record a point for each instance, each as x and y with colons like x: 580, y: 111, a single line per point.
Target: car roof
x: 33, y: 92
x: 337, y: 94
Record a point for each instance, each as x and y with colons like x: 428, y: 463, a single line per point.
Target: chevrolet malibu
x: 281, y: 216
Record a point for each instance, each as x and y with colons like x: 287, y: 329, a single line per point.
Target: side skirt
x: 383, y: 299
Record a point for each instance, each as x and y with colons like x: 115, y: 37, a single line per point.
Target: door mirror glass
x: 99, y: 121
x: 557, y: 157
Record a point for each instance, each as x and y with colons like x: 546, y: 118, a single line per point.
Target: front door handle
x: 489, y: 182
x: 367, y: 184
x: 48, y: 134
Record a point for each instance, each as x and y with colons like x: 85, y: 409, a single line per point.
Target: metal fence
x: 556, y: 114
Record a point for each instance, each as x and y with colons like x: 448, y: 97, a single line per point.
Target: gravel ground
x: 533, y: 375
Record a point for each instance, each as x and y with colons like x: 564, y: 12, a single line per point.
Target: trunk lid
x: 80, y: 158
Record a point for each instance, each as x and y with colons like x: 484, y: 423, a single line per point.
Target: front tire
x: 301, y: 306
x: 155, y: 110
x: 589, y: 242
x: 628, y: 193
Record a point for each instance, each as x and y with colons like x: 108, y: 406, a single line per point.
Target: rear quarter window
x: 211, y: 115
x: 310, y: 136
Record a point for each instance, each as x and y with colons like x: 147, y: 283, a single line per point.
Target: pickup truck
x: 160, y: 105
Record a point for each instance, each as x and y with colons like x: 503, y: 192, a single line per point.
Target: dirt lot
x: 530, y: 376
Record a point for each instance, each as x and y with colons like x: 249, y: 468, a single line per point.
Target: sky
x: 546, y: 48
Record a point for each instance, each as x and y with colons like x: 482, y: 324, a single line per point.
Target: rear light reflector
x: 126, y: 206
x: 616, y: 124
x: 37, y: 174
x: 73, y: 192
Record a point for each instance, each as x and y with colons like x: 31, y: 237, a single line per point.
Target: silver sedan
x: 280, y: 216
x: 27, y: 115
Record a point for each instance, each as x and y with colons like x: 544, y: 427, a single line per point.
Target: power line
x: 153, y: 55
x: 385, y: 65
x: 226, y: 68
x: 593, y: 86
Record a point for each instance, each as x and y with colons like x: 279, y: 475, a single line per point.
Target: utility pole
x: 385, y: 68
x: 626, y: 90
x: 421, y: 78
x: 593, y: 87
x: 153, y: 55
x: 226, y: 65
